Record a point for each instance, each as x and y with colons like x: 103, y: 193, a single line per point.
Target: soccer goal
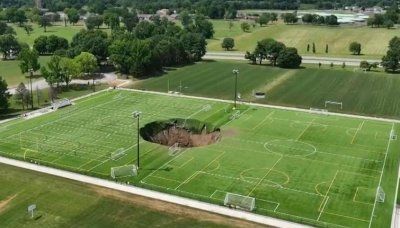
x: 393, y: 135
x: 239, y: 201
x: 334, y: 103
x: 118, y: 154
x: 174, y: 149
x: 380, y: 195
x: 123, y: 171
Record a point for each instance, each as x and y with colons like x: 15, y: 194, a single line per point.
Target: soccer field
x: 322, y: 170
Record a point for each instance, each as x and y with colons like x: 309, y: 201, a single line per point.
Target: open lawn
x: 64, y: 203
x: 57, y: 29
x: 310, y: 168
x: 10, y: 71
x: 374, y: 41
x: 363, y: 93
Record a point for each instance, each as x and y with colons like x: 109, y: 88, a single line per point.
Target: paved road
x: 42, y: 84
x: 306, y: 59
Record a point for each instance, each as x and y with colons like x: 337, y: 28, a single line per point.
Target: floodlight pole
x: 136, y: 114
x: 30, y: 81
x: 235, y: 72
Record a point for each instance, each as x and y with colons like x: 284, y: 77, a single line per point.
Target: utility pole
x: 136, y: 114
x: 30, y: 81
x: 235, y: 72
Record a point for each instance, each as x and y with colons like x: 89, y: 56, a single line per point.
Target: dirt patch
x: 279, y: 80
x: 169, y: 208
x: 4, y: 203
x: 183, y: 133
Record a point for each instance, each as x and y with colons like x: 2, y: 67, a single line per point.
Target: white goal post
x: 239, y: 201
x: 118, y: 154
x: 123, y: 171
x: 380, y: 195
x: 393, y: 135
x: 334, y: 103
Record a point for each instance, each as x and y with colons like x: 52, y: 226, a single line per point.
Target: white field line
x: 355, y: 134
x: 265, y: 105
x: 265, y: 119
x: 326, y: 198
x: 304, y: 131
x: 199, y: 171
x: 155, y: 195
x: 259, y: 182
x: 380, y: 178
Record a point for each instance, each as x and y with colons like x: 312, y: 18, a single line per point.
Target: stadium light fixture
x: 136, y: 115
x: 235, y: 72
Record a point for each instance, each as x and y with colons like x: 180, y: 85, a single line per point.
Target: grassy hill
x: 370, y: 93
x: 374, y: 40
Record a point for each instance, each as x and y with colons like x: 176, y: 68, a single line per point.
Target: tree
x: 202, y: 26
x: 289, y: 58
x: 9, y: 45
x: 391, y: 61
x: 22, y: 96
x: 268, y: 49
x: 355, y: 48
x: 87, y: 63
x: 314, y: 50
x: 228, y: 43
x: 251, y: 57
x: 264, y: 19
x: 376, y: 21
x: 331, y: 20
x: 93, y: 41
x: 195, y: 45
x: 40, y: 44
x: 5, y: 29
x: 94, y: 21
x: 4, y: 95
x: 365, y: 65
x: 388, y: 24
x: 326, y: 49
x: 131, y: 56
x: 245, y: 27
x: 73, y: 16
x: 29, y: 60
x: 111, y: 19
x: 185, y: 18
x: 19, y: 17
x: 130, y: 20
x: 53, y: 72
x: 274, y: 17
x: 289, y: 18
x: 28, y: 29
x: 308, y: 47
x: 70, y: 69
x: 45, y: 22
x: 230, y: 25
x: 144, y: 30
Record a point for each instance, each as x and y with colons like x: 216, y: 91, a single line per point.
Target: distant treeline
x: 211, y: 8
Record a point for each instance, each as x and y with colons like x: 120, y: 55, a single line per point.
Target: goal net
x: 61, y: 103
x: 118, y: 154
x: 380, y: 195
x: 334, y: 103
x: 393, y: 135
x: 239, y: 201
x: 123, y: 171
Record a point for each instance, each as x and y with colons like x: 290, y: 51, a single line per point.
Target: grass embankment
x: 65, y: 203
x: 374, y: 41
x: 370, y: 93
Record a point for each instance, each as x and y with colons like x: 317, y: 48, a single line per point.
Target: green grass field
x: 371, y: 93
x: 88, y: 206
x: 298, y: 36
x: 11, y: 71
x: 316, y: 169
